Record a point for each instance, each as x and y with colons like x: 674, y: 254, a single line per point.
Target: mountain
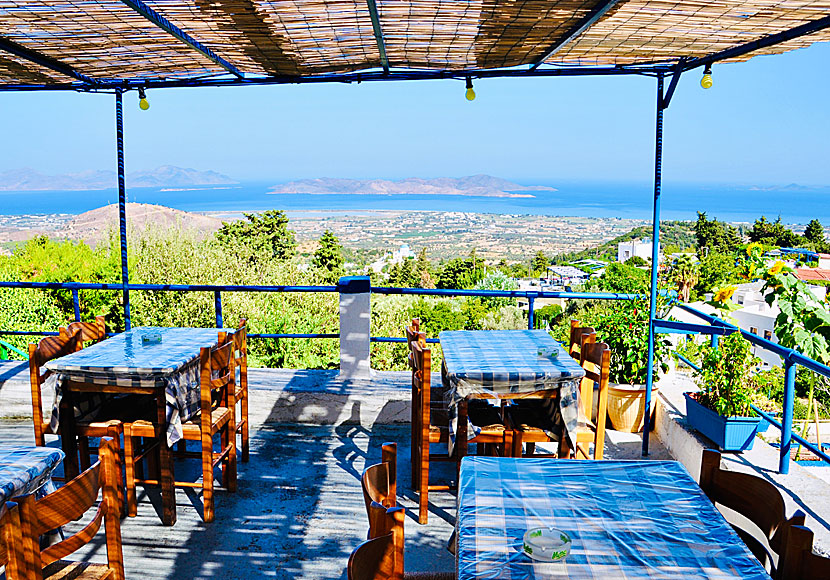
x: 165, y: 176
x: 474, y: 185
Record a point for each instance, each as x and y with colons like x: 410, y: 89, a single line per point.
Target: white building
x: 631, y: 248
x: 390, y: 258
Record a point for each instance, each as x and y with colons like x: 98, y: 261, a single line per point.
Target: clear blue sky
x: 764, y: 122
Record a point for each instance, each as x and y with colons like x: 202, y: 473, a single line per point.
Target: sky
x: 765, y: 122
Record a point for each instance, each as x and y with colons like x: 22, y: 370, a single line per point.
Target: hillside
x: 165, y: 176
x: 672, y: 233
x: 474, y: 185
x: 93, y: 226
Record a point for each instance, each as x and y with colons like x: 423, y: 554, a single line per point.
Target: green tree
x: 685, y: 272
x: 624, y: 278
x: 715, y: 236
x: 773, y: 233
x: 329, y: 255
x: 540, y: 262
x: 814, y: 234
x: 636, y: 261
x: 266, y: 234
x: 461, y: 273
x: 715, y: 270
x: 423, y: 271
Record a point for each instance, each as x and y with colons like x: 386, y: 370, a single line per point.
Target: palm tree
x: 686, y: 272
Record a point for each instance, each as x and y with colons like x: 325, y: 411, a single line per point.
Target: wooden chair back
x: 756, y: 499
x: 381, y: 557
x: 70, y: 503
x: 87, y: 331
x: 240, y: 341
x: 576, y: 338
x: 217, y: 378
x: 798, y: 561
x: 596, y: 361
x: 12, y: 553
x: 49, y: 348
x: 379, y: 484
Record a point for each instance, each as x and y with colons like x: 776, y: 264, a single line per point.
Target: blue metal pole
x: 655, y: 256
x: 714, y: 341
x: 530, y: 301
x: 787, y: 422
x: 76, y: 305
x: 217, y: 300
x: 122, y: 205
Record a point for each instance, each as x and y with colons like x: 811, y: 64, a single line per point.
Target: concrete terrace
x: 299, y: 509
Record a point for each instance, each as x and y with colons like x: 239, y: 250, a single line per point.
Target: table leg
x: 461, y: 434
x: 69, y: 437
x: 168, y: 489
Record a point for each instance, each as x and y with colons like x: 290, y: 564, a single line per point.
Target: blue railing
x: 718, y: 327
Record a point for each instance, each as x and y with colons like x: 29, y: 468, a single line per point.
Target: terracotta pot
x: 626, y: 406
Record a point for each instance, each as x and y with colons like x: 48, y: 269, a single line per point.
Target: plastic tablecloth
x: 126, y: 360
x: 24, y: 470
x: 507, y: 364
x: 627, y: 520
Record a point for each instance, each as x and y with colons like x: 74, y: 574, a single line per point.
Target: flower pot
x: 728, y: 433
x: 626, y: 406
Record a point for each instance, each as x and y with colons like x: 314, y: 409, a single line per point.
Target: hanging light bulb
x: 706, y: 81
x: 143, y: 104
x: 471, y: 94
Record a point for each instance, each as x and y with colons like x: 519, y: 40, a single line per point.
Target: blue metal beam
x: 373, y: 12
x: 678, y: 70
x: 21, y: 51
x: 584, y: 24
x: 765, y: 42
x: 644, y: 69
x: 674, y: 327
x: 174, y: 30
x: 122, y: 205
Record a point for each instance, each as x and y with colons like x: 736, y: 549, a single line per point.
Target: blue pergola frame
x: 659, y: 70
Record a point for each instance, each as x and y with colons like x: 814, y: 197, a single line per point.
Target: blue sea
x: 795, y: 204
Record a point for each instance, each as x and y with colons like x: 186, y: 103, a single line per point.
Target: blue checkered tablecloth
x: 506, y: 363
x: 126, y: 360
x: 24, y: 470
x: 632, y: 520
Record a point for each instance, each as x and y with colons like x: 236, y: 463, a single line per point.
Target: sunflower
x: 752, y: 247
x: 776, y: 268
x: 725, y: 294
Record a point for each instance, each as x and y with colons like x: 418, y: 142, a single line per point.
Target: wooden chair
x: 91, y: 332
x: 530, y: 421
x: 67, y: 504
x: 379, y: 483
x: 799, y: 562
x: 757, y: 500
x: 240, y: 341
x: 382, y: 557
x: 216, y: 417
x: 575, y: 341
x: 12, y: 552
x: 50, y: 348
x: 432, y: 426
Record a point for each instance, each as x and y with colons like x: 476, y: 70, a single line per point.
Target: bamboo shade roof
x: 110, y: 41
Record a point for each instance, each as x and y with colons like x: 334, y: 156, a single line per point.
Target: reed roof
x: 49, y: 42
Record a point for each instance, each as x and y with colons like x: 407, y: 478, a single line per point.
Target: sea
x: 679, y: 201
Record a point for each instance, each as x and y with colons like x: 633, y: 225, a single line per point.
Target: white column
x: 355, y: 318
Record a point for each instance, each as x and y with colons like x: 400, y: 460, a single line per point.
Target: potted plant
x: 625, y: 329
x: 721, y: 409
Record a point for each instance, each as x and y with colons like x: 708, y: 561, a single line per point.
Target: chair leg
x: 207, y: 477
x: 83, y: 451
x: 129, y: 472
x: 517, y: 444
x: 116, y: 431
x: 531, y: 448
x: 423, y: 484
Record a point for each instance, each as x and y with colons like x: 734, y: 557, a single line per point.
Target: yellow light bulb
x: 706, y: 81
x: 143, y: 104
x: 471, y: 94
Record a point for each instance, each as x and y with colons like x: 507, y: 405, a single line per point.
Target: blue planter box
x: 728, y: 433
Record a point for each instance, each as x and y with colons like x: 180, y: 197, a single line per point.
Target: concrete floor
x: 298, y: 512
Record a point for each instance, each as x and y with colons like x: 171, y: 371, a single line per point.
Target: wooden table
x: 627, y: 520
x: 168, y: 371
x: 508, y: 364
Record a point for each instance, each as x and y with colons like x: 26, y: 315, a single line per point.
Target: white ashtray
x: 546, y: 544
x: 547, y: 352
x: 151, y: 338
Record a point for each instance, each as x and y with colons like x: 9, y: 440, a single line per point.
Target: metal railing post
x: 655, y: 258
x: 714, y: 341
x: 122, y: 205
x: 217, y: 301
x: 787, y: 422
x: 76, y: 304
x: 530, y: 300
